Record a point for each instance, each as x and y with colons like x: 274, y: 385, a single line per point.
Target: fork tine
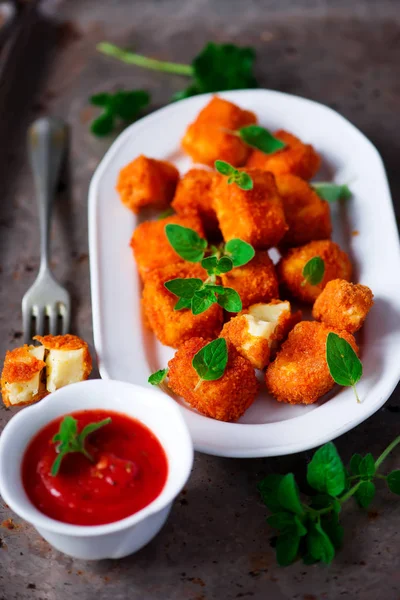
x: 53, y: 319
x: 27, y: 324
x: 65, y: 315
x: 39, y: 314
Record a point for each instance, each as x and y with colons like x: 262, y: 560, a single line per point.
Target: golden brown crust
x: 307, y: 216
x: 151, y: 247
x: 296, y: 158
x: 255, y: 216
x: 290, y: 268
x: 146, y: 181
x: 207, y: 139
x: 174, y: 327
x: 68, y: 342
x: 254, y: 282
x: 254, y: 349
x: 343, y: 305
x: 193, y: 195
x: 300, y: 373
x: 225, y: 399
x: 20, y: 366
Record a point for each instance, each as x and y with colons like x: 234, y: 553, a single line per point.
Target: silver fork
x: 46, y: 299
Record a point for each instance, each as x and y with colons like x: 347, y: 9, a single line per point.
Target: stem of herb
x: 86, y: 453
x: 349, y: 493
x: 198, y: 384
x: 384, y: 454
x: 355, y: 392
x: 130, y: 58
x: 380, y: 476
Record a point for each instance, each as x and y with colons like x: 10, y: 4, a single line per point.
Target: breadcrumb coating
x: 300, y: 373
x: 173, y: 327
x: 151, y: 247
x: 290, y: 268
x: 254, y: 282
x: 20, y: 365
x: 296, y: 158
x: 147, y: 182
x: 225, y: 399
x: 207, y: 139
x: 343, y: 305
x: 255, y: 216
x: 193, y: 195
x: 307, y: 215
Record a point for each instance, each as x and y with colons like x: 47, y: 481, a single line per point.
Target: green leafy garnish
x: 344, y: 365
x: 199, y: 296
x: 210, y: 362
x: 309, y: 528
x: 239, y: 252
x: 168, y: 212
x: 218, y: 67
x: 158, y: 377
x: 69, y: 440
x: 122, y: 105
x: 313, y: 271
x: 186, y: 242
x: 260, y: 138
x: 331, y: 192
x: 240, y: 178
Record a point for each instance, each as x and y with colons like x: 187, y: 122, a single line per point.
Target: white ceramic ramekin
x: 114, y: 540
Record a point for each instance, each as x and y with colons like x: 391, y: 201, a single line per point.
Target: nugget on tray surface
x: 193, y: 195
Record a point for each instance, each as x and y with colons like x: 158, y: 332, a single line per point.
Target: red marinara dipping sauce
x: 129, y: 470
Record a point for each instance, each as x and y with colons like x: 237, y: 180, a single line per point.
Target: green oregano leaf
x: 325, y: 472
x: 314, y: 270
x: 319, y: 545
x: 260, y: 138
x: 393, y: 481
x: 344, y: 365
x: 287, y: 547
x: 225, y: 168
x: 230, y: 300
x: 186, y: 242
x: 242, y: 179
x: 158, y: 377
x: 184, y: 287
x: 365, y: 493
x: 331, y: 192
x: 240, y: 252
x: 288, y: 495
x: 210, y: 362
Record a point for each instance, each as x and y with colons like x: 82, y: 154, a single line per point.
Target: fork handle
x: 47, y: 139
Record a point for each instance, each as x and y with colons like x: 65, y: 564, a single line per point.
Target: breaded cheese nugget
x: 296, y: 158
x: 173, y: 327
x: 67, y: 360
x: 21, y: 379
x: 255, y: 216
x: 225, y: 399
x: 151, y: 247
x: 147, y: 181
x: 343, y: 305
x: 193, y: 195
x: 257, y: 331
x: 207, y: 139
x: 290, y: 268
x: 307, y: 215
x: 254, y: 282
x: 300, y: 373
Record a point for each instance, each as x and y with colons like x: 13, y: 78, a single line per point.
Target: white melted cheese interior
x: 24, y: 391
x: 263, y: 319
x: 63, y: 367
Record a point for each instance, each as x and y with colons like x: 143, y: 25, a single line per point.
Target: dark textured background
x: 216, y: 544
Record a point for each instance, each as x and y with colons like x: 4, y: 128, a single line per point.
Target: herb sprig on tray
x: 122, y: 106
x: 314, y: 271
x: 331, y: 192
x: 311, y: 529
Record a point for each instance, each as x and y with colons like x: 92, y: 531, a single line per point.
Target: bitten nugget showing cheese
x: 193, y: 195
x: 151, y: 247
x: 21, y: 379
x: 343, y: 305
x: 207, y: 139
x: 256, y: 332
x: 225, y: 399
x: 290, y: 268
x: 173, y: 327
x: 300, y: 373
x: 307, y: 215
x: 254, y: 282
x: 255, y: 216
x: 296, y: 158
x: 68, y: 360
x: 147, y: 181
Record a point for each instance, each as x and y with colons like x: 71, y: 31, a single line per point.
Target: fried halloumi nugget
x: 255, y: 216
x: 290, y: 268
x: 307, y: 215
x: 207, y: 139
x: 300, y: 373
x: 173, y: 327
x: 151, y: 247
x: 193, y: 195
x: 67, y: 360
x: 343, y: 305
x: 225, y: 399
x: 21, y: 379
x: 147, y: 182
x: 254, y: 282
x: 296, y: 158
x: 257, y: 331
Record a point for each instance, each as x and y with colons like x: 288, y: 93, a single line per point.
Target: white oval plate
x: 126, y: 351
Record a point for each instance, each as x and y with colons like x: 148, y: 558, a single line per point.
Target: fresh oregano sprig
x: 344, y: 365
x: 242, y: 179
x: 68, y: 439
x: 313, y: 271
x: 331, y: 192
x: 121, y: 106
x: 218, y: 67
x: 260, y: 138
x: 310, y: 528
